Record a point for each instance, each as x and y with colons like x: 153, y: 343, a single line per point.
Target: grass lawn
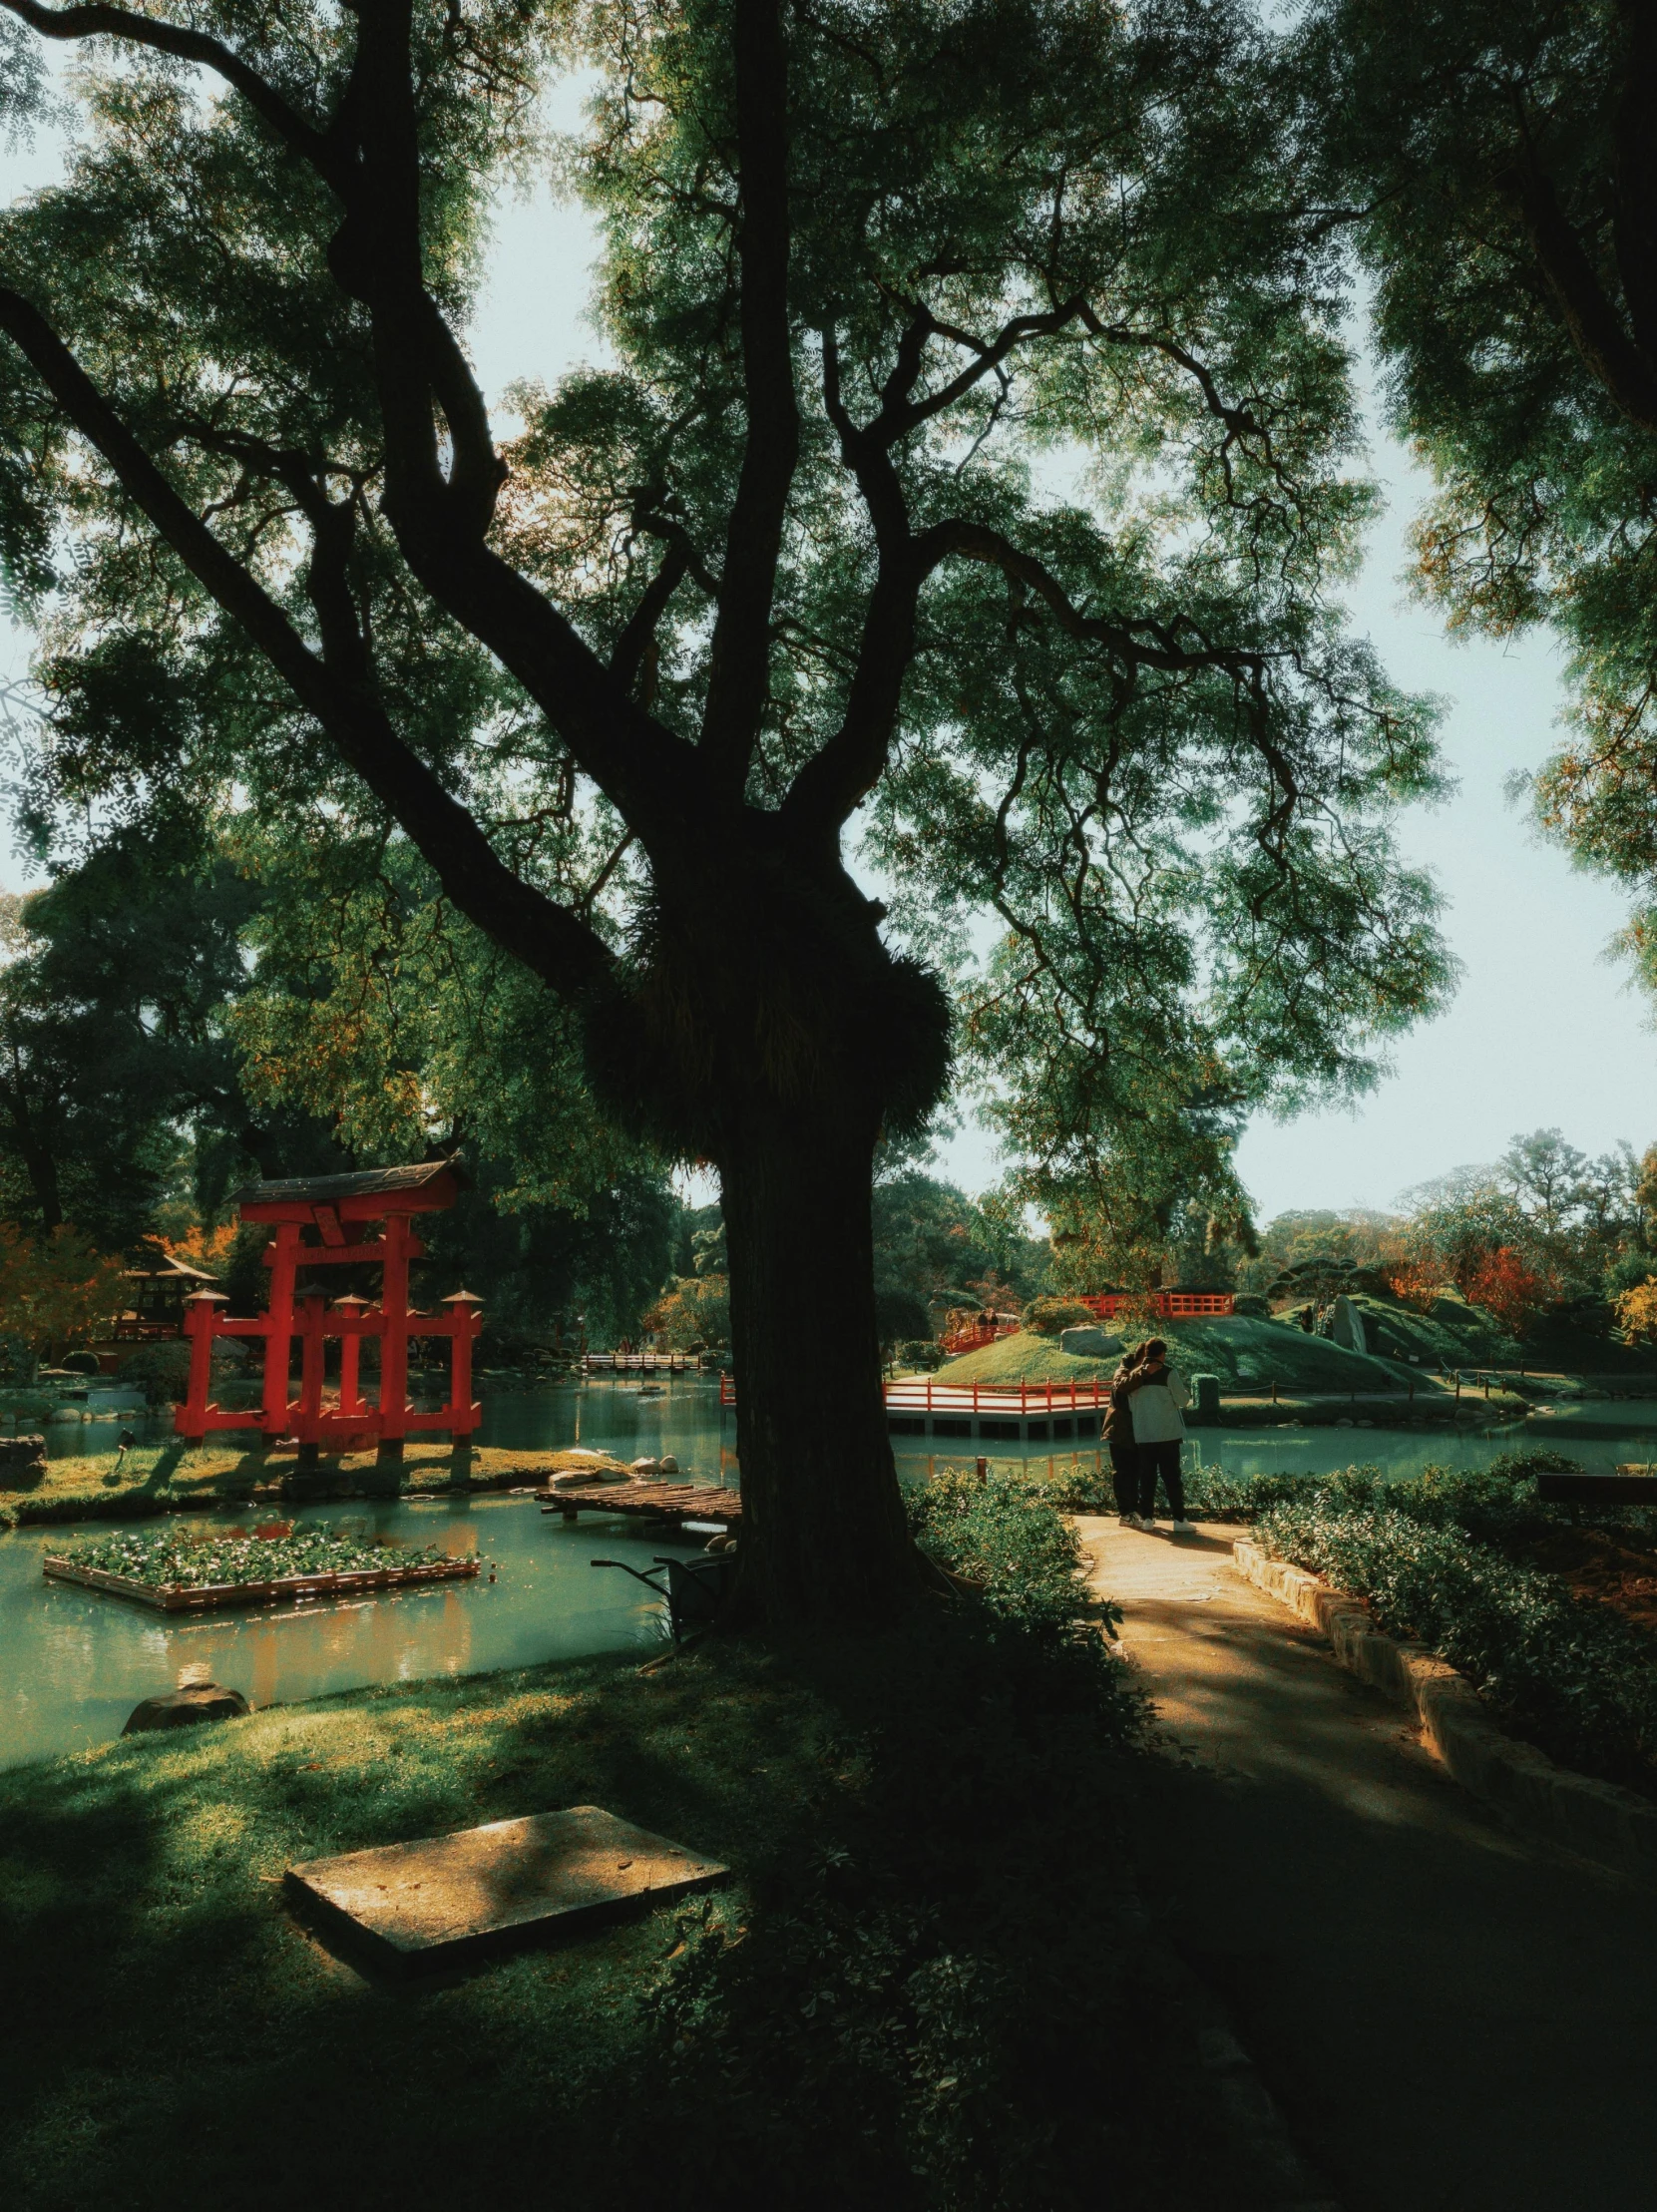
x: 923, y: 1991
x: 155, y: 1476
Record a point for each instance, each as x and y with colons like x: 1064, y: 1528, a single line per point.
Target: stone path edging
x: 1598, y: 1820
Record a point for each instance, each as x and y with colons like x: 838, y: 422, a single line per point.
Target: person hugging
x: 1157, y: 1397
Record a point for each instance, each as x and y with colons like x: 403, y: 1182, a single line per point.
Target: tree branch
x: 849, y: 766
x: 638, y: 635
x: 740, y: 664
x: 440, y: 524
x: 1590, y: 320
x: 543, y: 934
x: 841, y: 775
x: 99, y: 21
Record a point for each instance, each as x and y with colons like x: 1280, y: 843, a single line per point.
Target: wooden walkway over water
x: 1027, y: 1413
x: 674, y: 1503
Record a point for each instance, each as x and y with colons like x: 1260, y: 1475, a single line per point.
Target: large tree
x: 115, y: 1057
x: 1500, y: 159
x: 975, y: 454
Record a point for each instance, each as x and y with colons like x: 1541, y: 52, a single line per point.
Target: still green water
x: 73, y: 1664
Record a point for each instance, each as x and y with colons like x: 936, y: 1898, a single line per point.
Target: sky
x: 1544, y: 1029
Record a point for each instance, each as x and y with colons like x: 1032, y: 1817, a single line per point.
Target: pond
x: 73, y: 1666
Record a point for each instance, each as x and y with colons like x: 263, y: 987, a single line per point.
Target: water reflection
x: 73, y: 1664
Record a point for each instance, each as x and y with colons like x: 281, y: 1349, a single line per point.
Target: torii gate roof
x: 367, y: 1196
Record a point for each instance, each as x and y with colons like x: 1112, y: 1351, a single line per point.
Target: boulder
x: 1091, y: 1343
x: 667, y: 1464
x: 1347, y: 1326
x: 1205, y: 1399
x: 646, y: 1467
x: 21, y: 1456
x: 182, y: 1708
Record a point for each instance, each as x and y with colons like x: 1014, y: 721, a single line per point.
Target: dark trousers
x: 1124, y: 1475
x: 1164, y: 1460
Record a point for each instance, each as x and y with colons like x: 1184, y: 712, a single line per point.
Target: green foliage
x: 695, y: 1313
x: 56, y: 1288
x: 1052, y: 1316
x: 112, y: 1020
x: 160, y: 1371
x: 186, y: 1560
x: 1005, y: 1533
x: 1499, y: 150
x: 1129, y: 724
x: 938, y: 1247
x: 1569, y: 1671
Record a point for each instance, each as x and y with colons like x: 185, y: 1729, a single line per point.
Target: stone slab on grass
x: 449, y: 1899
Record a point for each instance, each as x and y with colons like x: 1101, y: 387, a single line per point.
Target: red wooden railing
x: 967, y: 1339
x: 924, y: 1394
x: 1167, y: 1305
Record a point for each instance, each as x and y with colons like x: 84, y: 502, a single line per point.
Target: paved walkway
x: 1453, y: 2019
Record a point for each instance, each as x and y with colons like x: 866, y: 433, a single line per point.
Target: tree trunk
x: 823, y: 1527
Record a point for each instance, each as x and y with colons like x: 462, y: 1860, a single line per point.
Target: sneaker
x: 1185, y: 1528
x: 1128, y: 1520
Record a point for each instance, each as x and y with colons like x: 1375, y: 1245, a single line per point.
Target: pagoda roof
x: 155, y: 1264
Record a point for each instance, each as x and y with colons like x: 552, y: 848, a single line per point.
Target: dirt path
x: 1453, y: 2019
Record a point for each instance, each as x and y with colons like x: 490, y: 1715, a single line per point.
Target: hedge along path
x: 1602, y: 1821
x: 1447, y: 2013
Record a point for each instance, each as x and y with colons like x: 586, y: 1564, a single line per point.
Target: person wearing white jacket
x: 1159, y: 1396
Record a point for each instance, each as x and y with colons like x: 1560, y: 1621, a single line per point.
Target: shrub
x: 160, y: 1371
x: 1577, y: 1677
x: 1252, y: 1304
x: 1636, y: 1311
x: 695, y: 1313
x: 899, y: 1313
x: 1006, y: 1531
x: 921, y: 1352
x: 1050, y: 1316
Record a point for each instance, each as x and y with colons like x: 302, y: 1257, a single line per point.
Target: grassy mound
x: 1245, y: 1353
x: 1450, y: 1333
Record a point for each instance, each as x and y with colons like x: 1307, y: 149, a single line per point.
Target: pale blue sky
x: 1544, y: 1029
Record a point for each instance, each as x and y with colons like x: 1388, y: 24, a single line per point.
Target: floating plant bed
x: 181, y: 1597
x: 179, y: 1577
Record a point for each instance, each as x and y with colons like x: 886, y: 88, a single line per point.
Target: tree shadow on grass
x: 911, y: 1995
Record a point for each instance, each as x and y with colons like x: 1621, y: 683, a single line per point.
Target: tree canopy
x: 976, y: 468
x: 1498, y: 159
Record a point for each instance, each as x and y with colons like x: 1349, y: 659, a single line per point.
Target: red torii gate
x: 320, y: 1221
